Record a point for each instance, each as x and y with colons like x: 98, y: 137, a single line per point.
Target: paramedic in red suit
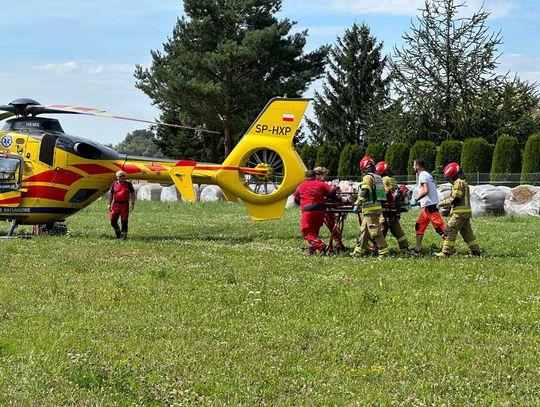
x: 121, y: 203
x: 311, y: 196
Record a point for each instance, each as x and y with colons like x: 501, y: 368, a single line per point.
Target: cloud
x: 59, y: 68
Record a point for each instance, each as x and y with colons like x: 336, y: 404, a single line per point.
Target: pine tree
x: 223, y: 63
x: 354, y: 90
x: 447, y: 62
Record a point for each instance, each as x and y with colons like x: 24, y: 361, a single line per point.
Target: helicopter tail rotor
x: 269, y: 168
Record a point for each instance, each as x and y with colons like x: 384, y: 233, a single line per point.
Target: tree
x: 141, y: 143
x: 308, y: 154
x: 476, y: 156
x: 423, y: 150
x: 349, y: 161
x: 354, y: 91
x: 448, y: 152
x: 531, y: 159
x: 506, y: 159
x: 328, y: 156
x: 223, y: 63
x: 446, y: 64
x: 397, y: 157
x: 376, y: 151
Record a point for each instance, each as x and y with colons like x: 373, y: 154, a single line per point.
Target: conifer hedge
x: 397, y: 157
x: 476, y: 155
x: 448, y: 152
x: 349, y: 160
x: 376, y: 151
x: 328, y: 156
x: 531, y: 159
x: 308, y: 154
x: 506, y: 158
x: 424, y: 150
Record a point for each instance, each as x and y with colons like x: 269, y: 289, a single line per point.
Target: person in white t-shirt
x: 428, y: 200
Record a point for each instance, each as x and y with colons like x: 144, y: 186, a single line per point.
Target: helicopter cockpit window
x: 82, y: 195
x: 8, y: 170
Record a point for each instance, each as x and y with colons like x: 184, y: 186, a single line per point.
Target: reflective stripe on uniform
x: 386, y: 250
x: 402, y: 238
x: 449, y: 243
x: 473, y: 243
x: 375, y: 207
x: 461, y: 210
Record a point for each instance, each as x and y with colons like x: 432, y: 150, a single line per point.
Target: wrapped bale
x: 488, y: 199
x: 170, y: 194
x: 290, y: 202
x: 523, y: 200
x: 444, y: 191
x: 149, y: 192
x: 211, y: 193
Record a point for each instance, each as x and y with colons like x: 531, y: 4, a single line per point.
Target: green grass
x: 202, y: 306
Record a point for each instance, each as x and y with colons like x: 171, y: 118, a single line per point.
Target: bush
x: 376, y: 151
x: 448, y: 152
x: 308, y: 154
x: 476, y: 156
x: 424, y: 150
x: 397, y: 157
x: 349, y: 159
x: 531, y: 159
x: 328, y: 156
x: 506, y: 158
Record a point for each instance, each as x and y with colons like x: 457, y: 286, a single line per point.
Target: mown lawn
x: 202, y: 306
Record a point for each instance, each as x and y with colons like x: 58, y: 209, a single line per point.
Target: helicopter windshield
x: 8, y: 169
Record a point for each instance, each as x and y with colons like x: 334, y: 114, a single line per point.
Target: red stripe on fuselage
x: 41, y: 191
x: 156, y: 168
x: 7, y: 201
x: 63, y: 177
x: 93, y: 168
x: 128, y: 168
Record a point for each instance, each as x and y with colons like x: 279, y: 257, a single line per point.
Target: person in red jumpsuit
x: 311, y: 196
x: 330, y: 217
x: 121, y: 203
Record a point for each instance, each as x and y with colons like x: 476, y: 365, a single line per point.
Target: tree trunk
x: 227, y: 140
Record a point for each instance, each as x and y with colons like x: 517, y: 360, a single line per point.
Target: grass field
x: 201, y: 306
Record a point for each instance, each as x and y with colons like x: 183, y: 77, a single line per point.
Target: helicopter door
x: 46, y: 150
x: 11, y: 168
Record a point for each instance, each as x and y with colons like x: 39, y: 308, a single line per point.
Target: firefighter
x: 391, y: 210
x: 461, y: 214
x: 311, y: 196
x: 370, y: 196
x: 428, y: 200
x: 330, y: 217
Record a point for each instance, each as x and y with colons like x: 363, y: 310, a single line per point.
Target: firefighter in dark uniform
x: 370, y: 197
x: 311, y: 196
x: 391, y: 209
x: 461, y: 214
x: 121, y: 203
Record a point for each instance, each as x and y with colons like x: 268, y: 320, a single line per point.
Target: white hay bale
x: 290, y: 202
x: 169, y: 194
x: 523, y: 200
x: 488, y: 199
x: 149, y: 192
x: 211, y: 193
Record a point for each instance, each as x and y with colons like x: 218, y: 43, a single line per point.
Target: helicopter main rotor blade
x: 5, y: 115
x: 101, y: 113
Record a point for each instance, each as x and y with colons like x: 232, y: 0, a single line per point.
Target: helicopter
x: 47, y: 175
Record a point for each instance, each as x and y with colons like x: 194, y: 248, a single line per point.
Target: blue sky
x: 84, y: 52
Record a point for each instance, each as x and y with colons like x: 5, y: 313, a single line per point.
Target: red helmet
x: 451, y: 170
x: 366, y: 162
x: 381, y: 168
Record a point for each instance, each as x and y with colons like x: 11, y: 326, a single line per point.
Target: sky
x: 84, y: 53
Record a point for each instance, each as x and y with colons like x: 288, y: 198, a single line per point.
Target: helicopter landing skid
x: 14, y: 224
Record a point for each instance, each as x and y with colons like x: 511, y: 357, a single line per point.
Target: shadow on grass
x: 190, y: 238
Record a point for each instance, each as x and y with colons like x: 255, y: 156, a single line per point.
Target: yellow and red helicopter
x: 47, y: 175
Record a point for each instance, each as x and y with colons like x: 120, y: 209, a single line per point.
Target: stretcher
x: 336, y: 213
